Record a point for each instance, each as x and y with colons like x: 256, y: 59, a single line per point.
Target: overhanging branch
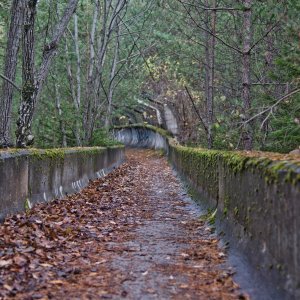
x: 11, y: 82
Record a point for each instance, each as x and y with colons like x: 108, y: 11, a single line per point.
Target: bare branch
x: 11, y: 82
x: 265, y: 35
x: 209, y: 32
x: 140, y: 51
x: 270, y: 109
x: 196, y: 110
x: 212, y: 8
x: 269, y: 83
x: 266, y: 119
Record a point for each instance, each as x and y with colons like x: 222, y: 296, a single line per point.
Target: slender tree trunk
x: 70, y: 74
x: 76, y: 95
x: 78, y: 72
x: 73, y: 95
x: 271, y: 90
x: 211, y: 77
x: 32, y: 86
x: 207, y: 66
x: 112, y: 78
x: 60, y: 115
x: 247, y: 136
x: 11, y: 58
x: 91, y: 68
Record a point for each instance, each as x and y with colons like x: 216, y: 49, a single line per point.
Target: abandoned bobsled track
x: 133, y: 234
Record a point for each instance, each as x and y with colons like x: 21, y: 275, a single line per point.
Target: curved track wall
x: 142, y: 137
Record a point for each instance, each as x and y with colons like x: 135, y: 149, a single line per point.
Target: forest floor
x: 133, y: 234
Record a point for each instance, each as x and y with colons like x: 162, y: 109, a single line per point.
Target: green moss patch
x: 59, y: 153
x: 207, y: 160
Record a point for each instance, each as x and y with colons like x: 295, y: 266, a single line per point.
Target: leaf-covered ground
x: 133, y: 234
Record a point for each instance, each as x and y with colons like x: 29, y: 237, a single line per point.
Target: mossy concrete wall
x: 31, y: 176
x: 258, y: 208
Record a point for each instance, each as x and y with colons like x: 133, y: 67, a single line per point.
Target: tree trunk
x: 33, y: 86
x: 211, y: 76
x: 96, y: 78
x: 73, y: 95
x: 207, y: 68
x: 89, y: 94
x: 112, y: 78
x: 78, y: 72
x: 270, y: 90
x: 60, y: 115
x: 109, y: 16
x: 247, y: 135
x: 11, y: 58
x: 78, y: 83
x: 29, y: 88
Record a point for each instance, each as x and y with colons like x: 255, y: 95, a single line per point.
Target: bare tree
x: 73, y: 95
x: 247, y: 135
x: 112, y: 76
x: 90, y: 89
x: 11, y: 58
x: 111, y: 11
x: 32, y: 84
x: 60, y: 114
x: 78, y: 81
x: 75, y: 87
x: 244, y: 52
x: 210, y: 70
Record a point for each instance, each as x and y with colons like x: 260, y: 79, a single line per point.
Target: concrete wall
x: 258, y: 206
x: 257, y: 201
x: 170, y: 119
x: 41, y: 175
x: 142, y: 137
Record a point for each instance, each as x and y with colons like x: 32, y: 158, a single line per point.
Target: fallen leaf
x: 8, y: 287
x: 5, y: 263
x: 57, y: 282
x: 20, y: 260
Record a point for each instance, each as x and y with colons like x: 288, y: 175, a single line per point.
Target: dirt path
x: 133, y: 234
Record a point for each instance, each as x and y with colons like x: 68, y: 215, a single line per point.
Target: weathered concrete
x: 257, y: 202
x: 29, y: 177
x: 171, y: 121
x: 258, y: 213
x: 13, y: 182
x: 142, y: 137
